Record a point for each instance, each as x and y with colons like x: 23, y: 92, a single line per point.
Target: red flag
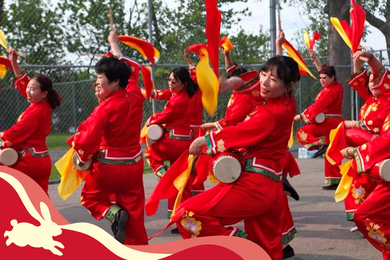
x: 165, y: 188
x: 213, y: 27
x: 147, y: 79
x: 146, y: 49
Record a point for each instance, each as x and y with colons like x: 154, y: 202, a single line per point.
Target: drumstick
x: 279, y: 20
x: 110, y: 18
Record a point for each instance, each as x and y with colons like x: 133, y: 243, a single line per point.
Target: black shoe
x: 175, y: 231
x: 321, y: 151
x: 288, y: 188
x: 118, y: 227
x: 288, y: 252
x: 330, y: 187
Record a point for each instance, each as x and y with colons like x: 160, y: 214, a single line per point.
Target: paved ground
x: 323, y: 232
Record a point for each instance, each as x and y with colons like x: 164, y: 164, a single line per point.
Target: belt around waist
x: 33, y: 152
x: 103, y: 158
x: 250, y: 167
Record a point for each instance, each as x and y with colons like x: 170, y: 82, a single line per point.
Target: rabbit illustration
x: 24, y: 233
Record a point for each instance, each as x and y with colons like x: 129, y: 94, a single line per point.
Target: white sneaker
x: 354, y: 228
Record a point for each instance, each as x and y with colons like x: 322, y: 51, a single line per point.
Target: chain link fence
x: 29, y: 26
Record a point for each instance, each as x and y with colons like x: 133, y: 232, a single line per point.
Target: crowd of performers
x: 256, y: 130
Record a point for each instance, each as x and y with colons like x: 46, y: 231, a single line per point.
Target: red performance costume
x: 257, y: 196
x: 110, y: 135
x: 329, y: 102
x: 372, y: 217
x: 371, y: 117
x: 28, y: 138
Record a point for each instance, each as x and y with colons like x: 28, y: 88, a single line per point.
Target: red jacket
x: 113, y: 126
x: 32, y: 127
x: 176, y: 116
x: 328, y: 101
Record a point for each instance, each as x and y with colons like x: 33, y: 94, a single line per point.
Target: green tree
x: 33, y: 27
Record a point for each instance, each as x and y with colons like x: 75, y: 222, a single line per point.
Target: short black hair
x: 286, y: 68
x: 114, y: 69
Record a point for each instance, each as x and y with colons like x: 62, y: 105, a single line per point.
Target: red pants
x: 309, y: 137
x: 361, y: 189
x: 166, y: 149
x: 287, y: 222
x: 254, y: 198
x: 126, y: 183
x: 372, y: 218
x: 37, y: 168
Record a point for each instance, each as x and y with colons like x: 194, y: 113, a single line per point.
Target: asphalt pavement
x: 323, y: 231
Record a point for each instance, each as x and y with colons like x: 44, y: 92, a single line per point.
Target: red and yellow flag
x: 146, y: 49
x: 293, y: 53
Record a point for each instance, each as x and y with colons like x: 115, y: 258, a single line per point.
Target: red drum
x: 357, y: 137
x: 380, y: 171
x: 8, y: 156
x: 155, y: 132
x: 81, y: 166
x: 225, y: 167
x: 320, y: 118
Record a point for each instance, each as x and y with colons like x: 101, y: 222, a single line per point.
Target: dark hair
x: 286, y: 68
x: 114, y: 69
x: 46, y: 84
x: 237, y: 72
x: 184, y: 76
x: 329, y: 71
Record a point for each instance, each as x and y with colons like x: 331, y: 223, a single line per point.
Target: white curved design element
x: 23, y: 233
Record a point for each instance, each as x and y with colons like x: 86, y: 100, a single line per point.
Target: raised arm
x: 114, y: 43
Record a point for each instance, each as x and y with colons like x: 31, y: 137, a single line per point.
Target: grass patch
x: 57, y: 141
x: 55, y: 175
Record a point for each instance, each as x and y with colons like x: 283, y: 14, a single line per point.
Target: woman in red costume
x: 328, y: 103
x: 256, y: 197
x: 372, y: 216
x: 28, y: 135
x: 371, y: 117
x: 176, y: 120
x: 110, y: 137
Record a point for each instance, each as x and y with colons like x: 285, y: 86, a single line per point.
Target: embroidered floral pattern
x: 302, y: 136
x: 221, y: 146
x: 363, y: 147
x: 256, y: 93
x: 359, y: 193
x: 191, y: 225
x: 376, y: 234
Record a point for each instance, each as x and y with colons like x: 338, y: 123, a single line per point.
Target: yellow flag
x: 3, y: 71
x: 3, y: 41
x: 345, y: 184
x: 337, y: 25
x: 71, y: 178
x: 208, y: 84
x: 181, y: 181
x: 332, y: 135
x: 306, y: 38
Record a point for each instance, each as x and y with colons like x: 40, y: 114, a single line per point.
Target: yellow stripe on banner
x: 306, y: 38
x: 345, y: 184
x: 337, y: 25
x: 332, y: 135
x: 291, y: 53
x: 291, y: 140
x: 181, y: 181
